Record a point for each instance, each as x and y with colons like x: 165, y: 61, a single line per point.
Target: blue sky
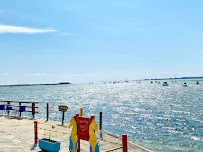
x: 83, y: 41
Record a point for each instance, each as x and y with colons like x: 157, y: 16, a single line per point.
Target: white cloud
x: 23, y: 30
x: 63, y: 75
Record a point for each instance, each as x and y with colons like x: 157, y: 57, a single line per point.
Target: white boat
x: 185, y: 85
x: 165, y: 84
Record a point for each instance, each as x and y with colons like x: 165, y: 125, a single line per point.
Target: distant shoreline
x: 61, y: 83
x: 176, y: 78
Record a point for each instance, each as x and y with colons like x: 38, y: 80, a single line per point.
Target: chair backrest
x: 2, y: 107
x: 9, y: 107
x: 22, y: 109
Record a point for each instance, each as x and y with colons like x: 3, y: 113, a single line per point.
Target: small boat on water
x: 185, y: 84
x: 197, y: 82
x: 165, y: 84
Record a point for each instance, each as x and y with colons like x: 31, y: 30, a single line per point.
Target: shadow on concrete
x: 16, y: 117
x: 33, y: 147
x: 62, y: 126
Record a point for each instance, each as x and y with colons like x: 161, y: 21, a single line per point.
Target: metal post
x: 63, y: 112
x: 124, y: 142
x: 77, y: 115
x: 80, y: 112
x: 100, y: 122
x: 19, y: 108
x: 35, y: 132
x: 47, y: 111
x: 100, y: 125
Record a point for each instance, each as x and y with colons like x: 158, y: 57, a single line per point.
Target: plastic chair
x: 2, y: 107
x: 21, y: 109
x: 9, y: 108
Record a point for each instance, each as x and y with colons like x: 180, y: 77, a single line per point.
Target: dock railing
x: 17, y: 104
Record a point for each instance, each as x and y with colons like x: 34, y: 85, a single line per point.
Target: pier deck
x: 17, y: 134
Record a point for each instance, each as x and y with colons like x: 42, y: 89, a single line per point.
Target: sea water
x: 159, y: 118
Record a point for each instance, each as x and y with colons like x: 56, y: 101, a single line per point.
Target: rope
x: 112, y: 142
x: 49, y: 124
x: 114, y: 149
x: 52, y: 130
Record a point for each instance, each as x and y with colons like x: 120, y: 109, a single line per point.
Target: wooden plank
x: 31, y: 107
x: 19, y: 101
x: 24, y: 106
x: 26, y: 110
x: 31, y: 111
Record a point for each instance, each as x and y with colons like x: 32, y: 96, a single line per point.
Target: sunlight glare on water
x: 160, y: 118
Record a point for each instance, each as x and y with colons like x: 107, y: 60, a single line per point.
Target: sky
x: 90, y: 41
